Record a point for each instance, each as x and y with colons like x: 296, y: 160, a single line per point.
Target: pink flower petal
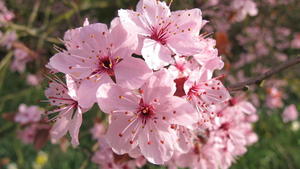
x: 290, y: 113
x: 161, y: 84
x: 156, y: 55
x: 157, y: 146
x: 181, y: 112
x: 153, y: 8
x: 247, y: 107
x: 60, y: 128
x: 74, y: 127
x: 112, y: 98
x: 121, y: 133
x: 88, y: 88
x: 132, y: 72
x: 72, y: 87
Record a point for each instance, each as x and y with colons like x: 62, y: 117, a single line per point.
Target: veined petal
x: 61, y: 126
x: 66, y: 63
x: 247, y: 107
x: 153, y: 10
x: 178, y: 111
x: 120, y: 39
x: 159, y: 85
x: 74, y: 127
x: 122, y: 132
x: 155, y: 54
x: 72, y: 87
x: 132, y: 73
x: 88, y: 88
x: 132, y: 22
x: 188, y: 20
x: 112, y: 98
x: 157, y: 146
x: 215, y: 92
x: 183, y: 44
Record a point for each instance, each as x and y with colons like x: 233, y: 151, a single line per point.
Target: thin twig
x: 268, y: 74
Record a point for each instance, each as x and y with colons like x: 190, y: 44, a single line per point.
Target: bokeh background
x: 251, y: 38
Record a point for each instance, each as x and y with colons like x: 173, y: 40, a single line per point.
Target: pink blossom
x: 8, y: 39
x: 281, y: 56
x: 182, y: 67
x: 144, y: 118
x: 208, y: 55
x: 240, y: 106
x: 161, y: 33
x: 95, y: 54
x: 219, y: 146
x: 5, y: 14
x: 274, y: 98
x: 51, y: 69
x: 204, y: 92
x: 27, y: 135
x: 290, y: 113
x: 201, y: 156
x: 97, y: 131
x: 296, y: 41
x: 33, y: 80
x: 21, y: 58
x: 106, y: 158
x: 244, y: 8
x: 234, y: 133
x: 28, y: 114
x: 69, y: 117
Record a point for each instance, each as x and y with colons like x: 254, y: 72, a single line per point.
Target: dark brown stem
x: 259, y: 79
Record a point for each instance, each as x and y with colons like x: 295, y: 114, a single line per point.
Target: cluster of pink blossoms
x: 163, y: 102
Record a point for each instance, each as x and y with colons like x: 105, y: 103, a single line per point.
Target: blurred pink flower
x: 281, y: 56
x: 296, y: 41
x: 244, y: 8
x: 5, y: 14
x: 28, y: 114
x: 21, y: 58
x: 8, y: 39
x: 33, y: 80
x: 30, y: 133
x: 274, y: 98
x: 27, y: 135
x: 97, y: 131
x: 290, y: 113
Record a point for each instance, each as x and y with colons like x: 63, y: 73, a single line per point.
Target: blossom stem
x: 257, y: 80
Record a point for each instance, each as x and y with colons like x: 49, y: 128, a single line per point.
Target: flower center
x: 194, y: 91
x: 225, y: 126
x: 160, y: 34
x: 107, y: 64
x: 145, y: 111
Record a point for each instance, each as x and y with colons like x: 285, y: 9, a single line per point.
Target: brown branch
x: 268, y: 74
